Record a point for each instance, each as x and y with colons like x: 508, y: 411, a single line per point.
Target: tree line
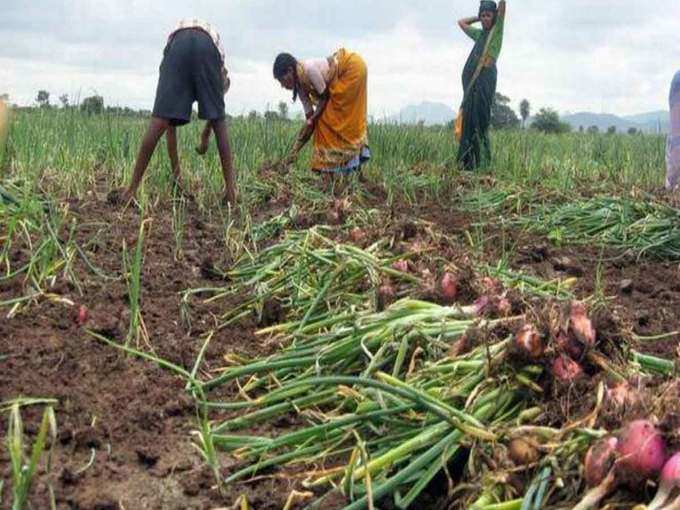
x: 547, y: 120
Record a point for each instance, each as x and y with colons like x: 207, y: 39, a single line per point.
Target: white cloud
x: 613, y: 55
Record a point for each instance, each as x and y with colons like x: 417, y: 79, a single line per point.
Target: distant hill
x: 431, y: 113
x: 648, y: 122
x: 427, y: 112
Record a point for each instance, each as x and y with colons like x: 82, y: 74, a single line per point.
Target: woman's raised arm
x: 465, y: 23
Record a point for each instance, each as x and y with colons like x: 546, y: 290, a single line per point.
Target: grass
x: 23, y: 466
x: 408, y: 160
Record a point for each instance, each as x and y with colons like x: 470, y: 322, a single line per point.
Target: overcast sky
x: 614, y: 56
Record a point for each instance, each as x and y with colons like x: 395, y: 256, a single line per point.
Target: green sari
x: 479, y: 83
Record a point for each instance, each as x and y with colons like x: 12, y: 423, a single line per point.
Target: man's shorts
x: 191, y: 71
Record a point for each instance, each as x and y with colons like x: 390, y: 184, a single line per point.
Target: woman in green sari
x: 479, y: 84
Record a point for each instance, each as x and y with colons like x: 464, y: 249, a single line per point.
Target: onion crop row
x: 308, y: 274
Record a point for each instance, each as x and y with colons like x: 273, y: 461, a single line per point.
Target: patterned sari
x: 479, y: 86
x: 341, y: 133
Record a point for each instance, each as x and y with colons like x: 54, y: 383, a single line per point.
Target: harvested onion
x: 449, y: 286
x: 401, y: 265
x: 600, y: 460
x: 83, y: 315
x: 642, y: 451
x: 670, y: 480
x: 566, y: 369
x: 581, y: 325
x: 522, y: 453
x: 528, y: 341
x: 357, y: 235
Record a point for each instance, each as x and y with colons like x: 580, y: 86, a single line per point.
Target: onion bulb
x: 449, y: 286
x: 566, y: 369
x: 83, y: 314
x: 522, y: 453
x: 528, y: 341
x: 357, y: 235
x: 642, y: 451
x: 401, y: 265
x: 600, y: 460
x: 581, y: 325
x: 569, y: 345
x: 670, y: 480
x: 621, y: 395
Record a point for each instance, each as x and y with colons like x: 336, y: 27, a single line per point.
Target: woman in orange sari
x: 333, y: 92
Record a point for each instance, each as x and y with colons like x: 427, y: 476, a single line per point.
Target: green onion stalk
x: 397, y: 433
x: 309, y: 275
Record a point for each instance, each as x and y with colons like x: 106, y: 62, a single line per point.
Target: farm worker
x: 193, y: 69
x: 333, y: 92
x: 479, y: 84
x: 673, y: 144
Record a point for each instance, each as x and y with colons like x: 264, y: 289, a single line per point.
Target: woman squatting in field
x: 673, y: 144
x: 193, y: 69
x: 479, y: 84
x: 333, y: 92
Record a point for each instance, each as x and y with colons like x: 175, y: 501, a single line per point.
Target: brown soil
x: 132, y: 416
x: 136, y: 419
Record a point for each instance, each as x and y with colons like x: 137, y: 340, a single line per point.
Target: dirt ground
x: 124, y: 425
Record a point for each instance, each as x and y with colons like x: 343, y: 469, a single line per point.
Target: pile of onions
x: 573, y: 344
x: 636, y: 454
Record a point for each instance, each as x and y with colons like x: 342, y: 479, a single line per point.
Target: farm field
x: 415, y: 338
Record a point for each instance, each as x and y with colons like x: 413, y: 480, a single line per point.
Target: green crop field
x: 414, y: 337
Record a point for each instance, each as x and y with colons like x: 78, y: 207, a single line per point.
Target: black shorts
x: 191, y: 71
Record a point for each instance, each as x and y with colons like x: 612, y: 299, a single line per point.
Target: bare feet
x: 118, y: 197
x: 180, y: 191
x: 229, y: 199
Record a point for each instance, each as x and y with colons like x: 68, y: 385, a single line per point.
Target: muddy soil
x: 124, y: 425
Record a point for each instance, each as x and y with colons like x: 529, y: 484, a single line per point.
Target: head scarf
x: 487, y: 5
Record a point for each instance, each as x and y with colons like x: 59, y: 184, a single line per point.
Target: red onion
x: 570, y: 346
x: 357, y: 235
x: 639, y: 454
x: 566, y: 369
x: 401, y: 265
x: 528, y: 340
x: 82, y: 315
x: 334, y: 217
x: 482, y: 305
x: 642, y: 451
x: 670, y: 480
x: 491, y: 285
x: 581, y: 324
x: 600, y: 460
x: 386, y: 296
x: 504, y: 306
x: 592, y: 499
x: 622, y: 395
x: 449, y: 286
